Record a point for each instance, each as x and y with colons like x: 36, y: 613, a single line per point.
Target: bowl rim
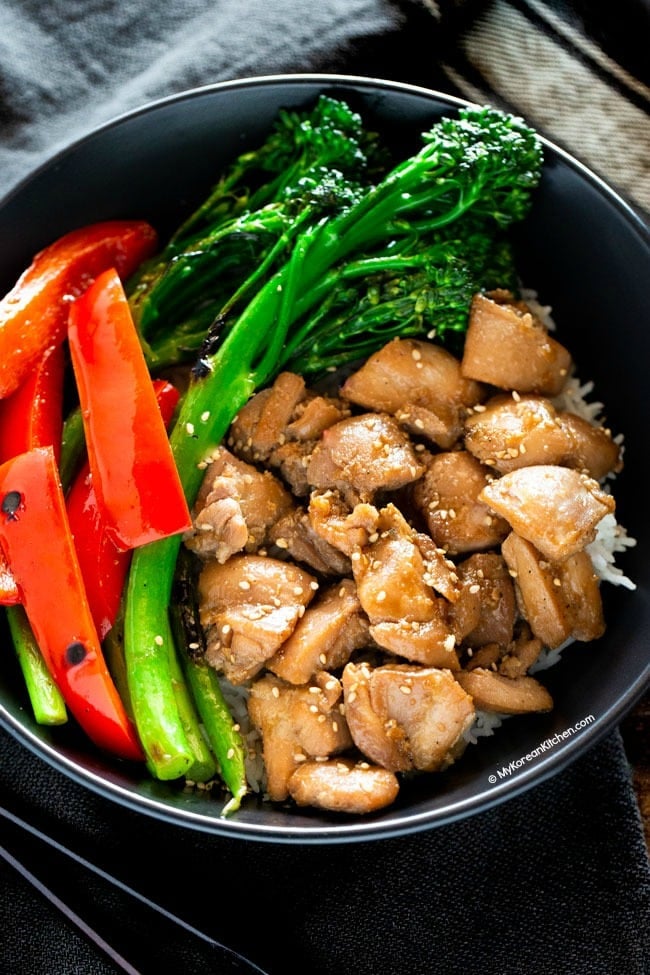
x: 361, y: 829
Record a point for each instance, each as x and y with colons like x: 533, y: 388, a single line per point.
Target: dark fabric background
x: 555, y: 881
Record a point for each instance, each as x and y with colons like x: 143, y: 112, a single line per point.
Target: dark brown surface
x: 636, y: 735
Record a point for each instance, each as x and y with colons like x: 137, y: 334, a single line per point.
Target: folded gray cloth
x: 70, y: 65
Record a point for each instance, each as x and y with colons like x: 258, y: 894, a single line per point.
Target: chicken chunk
x: 418, y: 383
x: 260, y: 425
x: 504, y: 695
x: 506, y: 346
x: 294, y: 534
x: 345, y: 528
x: 518, y: 431
x: 486, y: 610
x: 332, y: 627
x: 406, y: 615
x: 313, y: 415
x: 341, y: 785
x: 556, y: 508
x: 559, y: 600
x: 248, y: 607
x: 296, y: 724
x: 593, y: 449
x: 235, y: 507
x: 406, y: 718
x: 362, y: 455
x: 447, y: 498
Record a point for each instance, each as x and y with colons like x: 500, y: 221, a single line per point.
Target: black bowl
x: 587, y: 255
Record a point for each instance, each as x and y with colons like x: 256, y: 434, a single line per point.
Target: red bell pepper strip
x: 133, y: 468
x: 103, y: 566
x: 34, y: 314
x: 32, y: 417
x: 36, y: 539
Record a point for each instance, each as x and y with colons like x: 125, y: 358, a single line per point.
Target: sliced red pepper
x: 34, y: 314
x: 32, y: 417
x: 103, y: 566
x: 38, y: 546
x: 133, y: 468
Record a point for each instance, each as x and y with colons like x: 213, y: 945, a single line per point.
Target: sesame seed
x: 322, y: 658
x: 381, y: 595
x: 557, y: 582
x: 405, y: 689
x: 475, y: 588
x: 225, y: 629
x: 244, y: 584
x: 189, y: 429
x: 230, y: 753
x: 275, y: 691
x: 298, y: 590
x: 158, y: 640
x: 416, y: 354
x: 205, y: 416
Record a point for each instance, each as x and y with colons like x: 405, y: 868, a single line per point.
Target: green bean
x: 44, y: 695
x: 148, y: 646
x: 203, y: 767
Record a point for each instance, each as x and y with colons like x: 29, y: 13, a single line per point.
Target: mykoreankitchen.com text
x: 544, y: 746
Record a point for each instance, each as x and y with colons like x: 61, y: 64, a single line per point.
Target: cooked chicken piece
x: 559, y: 600
x: 486, y: 610
x: 556, y: 508
x: 518, y: 431
x: 314, y: 414
x: 362, y: 455
x: 341, y: 785
x: 405, y: 614
x: 295, y: 534
x: 404, y: 717
x: 235, y: 507
x: 420, y: 384
x: 522, y: 653
x: 504, y: 695
x: 447, y: 498
x: 488, y: 657
x: 332, y: 627
x: 248, y: 607
x: 506, y: 346
x: 296, y: 723
x: 440, y: 571
x: 260, y: 425
x: 593, y: 448
x: 346, y: 529
x: 291, y: 460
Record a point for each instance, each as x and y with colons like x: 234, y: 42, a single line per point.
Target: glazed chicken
x: 381, y: 563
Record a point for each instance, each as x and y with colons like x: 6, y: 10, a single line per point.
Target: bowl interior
x: 586, y: 255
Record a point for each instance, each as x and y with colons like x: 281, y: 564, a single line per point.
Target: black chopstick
x: 237, y: 960
x: 68, y: 913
